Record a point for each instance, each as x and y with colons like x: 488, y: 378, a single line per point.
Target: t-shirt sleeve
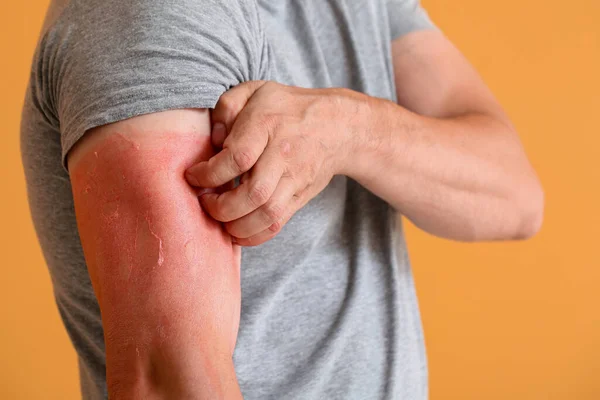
x: 406, y: 16
x: 109, y: 60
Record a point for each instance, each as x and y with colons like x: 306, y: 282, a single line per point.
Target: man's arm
x: 166, y: 275
x: 452, y: 161
x: 447, y: 156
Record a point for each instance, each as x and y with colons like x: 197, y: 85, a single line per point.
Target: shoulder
x: 104, y: 61
x: 81, y: 24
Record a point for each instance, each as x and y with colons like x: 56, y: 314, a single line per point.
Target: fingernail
x: 208, y: 196
x: 191, y: 179
x: 201, y: 191
x: 218, y: 134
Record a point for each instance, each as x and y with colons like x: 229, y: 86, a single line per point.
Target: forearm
x: 464, y: 178
x: 166, y: 276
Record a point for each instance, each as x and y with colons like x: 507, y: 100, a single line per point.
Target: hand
x: 285, y: 142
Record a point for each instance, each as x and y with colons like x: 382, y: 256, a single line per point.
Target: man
x: 334, y: 115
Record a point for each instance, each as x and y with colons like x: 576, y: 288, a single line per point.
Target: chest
x: 329, y: 43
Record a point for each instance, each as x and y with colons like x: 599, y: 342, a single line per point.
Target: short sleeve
x: 406, y: 16
x: 109, y: 60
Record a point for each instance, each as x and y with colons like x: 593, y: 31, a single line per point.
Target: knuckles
x: 312, y: 172
x: 227, y: 106
x: 243, y: 160
x: 268, y: 123
x: 306, y: 158
x: 285, y: 148
x: 218, y: 212
x: 273, y: 211
x: 212, y: 177
x: 258, y: 194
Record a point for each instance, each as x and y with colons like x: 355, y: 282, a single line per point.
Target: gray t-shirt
x: 329, y: 309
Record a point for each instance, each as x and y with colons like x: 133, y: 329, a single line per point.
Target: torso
x: 329, y: 309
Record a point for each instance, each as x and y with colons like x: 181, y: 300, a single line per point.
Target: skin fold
x: 166, y: 275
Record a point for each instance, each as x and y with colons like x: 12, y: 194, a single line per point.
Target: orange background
x: 502, y: 321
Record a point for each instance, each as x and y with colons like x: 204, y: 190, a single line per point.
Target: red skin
x: 166, y: 275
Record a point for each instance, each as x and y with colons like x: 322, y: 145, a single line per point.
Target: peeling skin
x: 165, y: 274
x: 111, y: 200
x: 161, y: 257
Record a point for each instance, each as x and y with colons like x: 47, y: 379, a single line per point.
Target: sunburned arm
x: 166, y: 275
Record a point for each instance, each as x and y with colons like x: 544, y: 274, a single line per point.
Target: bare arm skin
x: 451, y: 160
x: 166, y: 275
x: 446, y: 156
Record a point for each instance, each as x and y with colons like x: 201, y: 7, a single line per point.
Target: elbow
x: 529, y: 205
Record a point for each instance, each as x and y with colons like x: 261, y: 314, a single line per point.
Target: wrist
x: 379, y: 134
x: 349, y: 113
x: 362, y: 133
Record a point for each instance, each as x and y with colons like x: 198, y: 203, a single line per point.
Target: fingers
x: 218, y: 134
x: 230, y: 104
x: 239, y: 155
x: 255, y: 189
x: 200, y: 191
x: 298, y: 201
x: 243, y: 145
x: 261, y: 238
x: 271, y: 216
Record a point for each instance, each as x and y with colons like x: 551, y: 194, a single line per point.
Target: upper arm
x: 434, y: 79
x: 166, y: 275
x: 132, y: 202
